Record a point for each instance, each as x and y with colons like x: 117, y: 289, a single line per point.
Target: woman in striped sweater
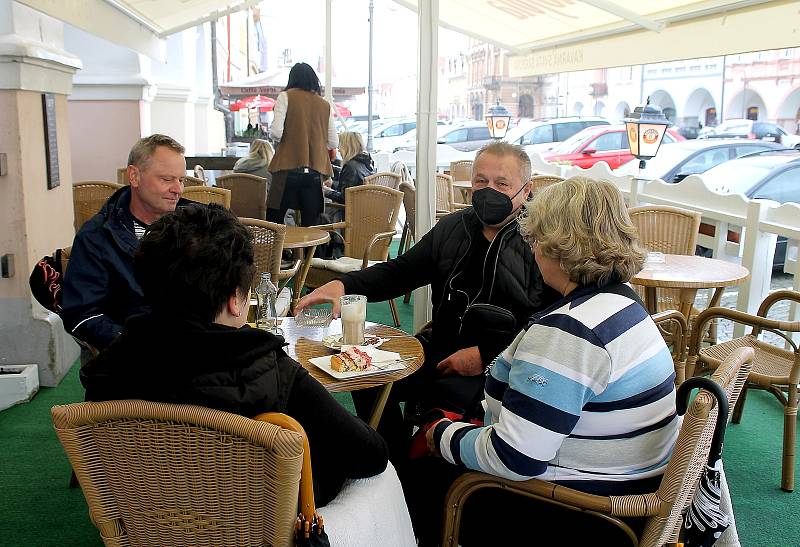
x: 585, y: 395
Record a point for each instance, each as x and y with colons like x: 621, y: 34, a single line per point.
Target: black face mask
x: 491, y: 206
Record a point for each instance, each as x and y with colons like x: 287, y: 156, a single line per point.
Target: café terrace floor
x: 38, y: 509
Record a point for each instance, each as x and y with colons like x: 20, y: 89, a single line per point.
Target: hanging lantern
x: 645, y: 126
x: 497, y: 120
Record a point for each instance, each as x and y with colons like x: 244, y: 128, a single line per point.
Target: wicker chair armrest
x: 548, y: 492
x: 335, y: 205
x: 736, y: 316
x: 382, y: 236
x: 306, y: 502
x: 330, y: 227
x: 285, y: 275
x: 457, y: 206
x: 682, y: 329
x: 774, y: 298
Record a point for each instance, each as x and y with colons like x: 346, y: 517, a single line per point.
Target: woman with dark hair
x: 304, y: 127
x: 195, y: 267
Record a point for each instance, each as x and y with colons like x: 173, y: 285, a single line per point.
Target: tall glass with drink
x: 354, y: 315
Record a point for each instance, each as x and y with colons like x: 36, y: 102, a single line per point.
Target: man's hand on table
x: 464, y: 362
x: 329, y: 293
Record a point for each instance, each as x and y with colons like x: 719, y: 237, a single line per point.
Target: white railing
x: 758, y: 223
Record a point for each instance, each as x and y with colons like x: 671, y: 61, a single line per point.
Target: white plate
x: 386, y: 365
x: 334, y: 341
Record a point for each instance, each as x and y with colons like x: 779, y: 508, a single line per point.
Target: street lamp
x: 497, y: 120
x: 645, y: 126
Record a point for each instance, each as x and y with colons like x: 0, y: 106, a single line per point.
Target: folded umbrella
x: 705, y: 521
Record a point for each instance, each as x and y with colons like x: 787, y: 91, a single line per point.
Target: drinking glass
x: 354, y: 315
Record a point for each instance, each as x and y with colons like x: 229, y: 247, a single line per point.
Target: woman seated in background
x: 195, y: 267
x: 584, y: 397
x: 356, y: 164
x: 257, y: 160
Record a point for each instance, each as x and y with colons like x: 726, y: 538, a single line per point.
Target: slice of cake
x: 350, y: 360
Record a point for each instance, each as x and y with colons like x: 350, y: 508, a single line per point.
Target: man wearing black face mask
x: 470, y: 258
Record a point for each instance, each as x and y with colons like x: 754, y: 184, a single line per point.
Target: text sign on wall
x: 50, y: 139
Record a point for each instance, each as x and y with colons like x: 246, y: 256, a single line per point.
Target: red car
x: 608, y: 143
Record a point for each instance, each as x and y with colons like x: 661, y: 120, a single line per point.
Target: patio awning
x: 568, y: 35
x: 270, y: 84
x: 139, y: 25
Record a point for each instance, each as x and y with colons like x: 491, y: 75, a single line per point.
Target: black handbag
x: 487, y: 322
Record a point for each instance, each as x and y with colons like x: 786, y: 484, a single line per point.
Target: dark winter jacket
x: 511, y: 280
x: 353, y: 173
x: 167, y: 358
x: 99, y: 291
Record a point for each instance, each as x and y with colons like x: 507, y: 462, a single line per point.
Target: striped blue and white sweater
x: 586, y: 393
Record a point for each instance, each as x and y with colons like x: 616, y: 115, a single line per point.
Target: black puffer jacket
x: 511, y: 280
x: 353, y: 173
x: 244, y: 371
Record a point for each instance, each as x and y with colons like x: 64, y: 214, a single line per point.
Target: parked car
x: 542, y: 135
x: 771, y: 174
x: 677, y: 160
x: 689, y: 131
x: 749, y: 129
x: 608, y: 143
x: 391, y: 133
x: 466, y: 137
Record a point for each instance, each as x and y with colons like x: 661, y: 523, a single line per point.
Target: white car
x: 390, y: 133
x: 541, y: 136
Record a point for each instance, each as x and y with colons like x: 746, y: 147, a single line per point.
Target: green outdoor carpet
x: 38, y: 509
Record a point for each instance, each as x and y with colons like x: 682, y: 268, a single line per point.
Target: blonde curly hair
x: 584, y: 224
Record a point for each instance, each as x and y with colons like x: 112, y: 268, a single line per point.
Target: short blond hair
x: 351, y: 144
x: 584, y: 224
x: 503, y: 148
x: 261, y: 149
x: 145, y: 147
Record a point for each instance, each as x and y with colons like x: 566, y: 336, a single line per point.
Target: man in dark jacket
x: 195, y: 267
x: 99, y: 291
x: 474, y: 256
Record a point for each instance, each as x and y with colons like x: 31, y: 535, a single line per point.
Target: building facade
x: 763, y: 86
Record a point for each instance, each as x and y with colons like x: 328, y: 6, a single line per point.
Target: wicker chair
x: 669, y: 230
x: 676, y: 336
x: 268, y: 243
x: 208, y: 194
x: 189, y: 180
x: 540, y: 181
x: 775, y: 369
x: 663, y: 508
x: 461, y: 170
x: 166, y: 474
x: 445, y: 197
x: 369, y: 226
x: 249, y: 194
x: 122, y: 176
x: 199, y: 172
x: 387, y: 179
x: 410, y: 226
x: 88, y: 197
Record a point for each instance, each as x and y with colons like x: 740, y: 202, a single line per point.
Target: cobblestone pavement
x: 729, y: 297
